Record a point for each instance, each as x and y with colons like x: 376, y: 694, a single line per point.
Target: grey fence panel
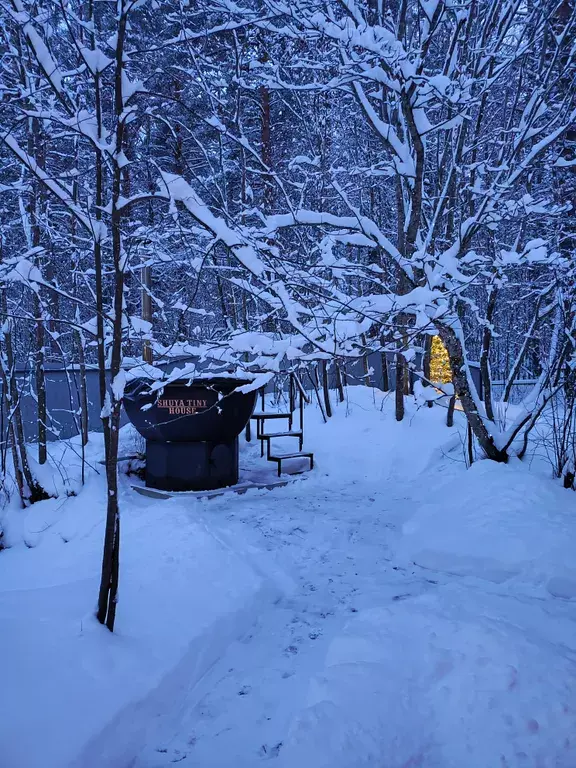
x: 62, y: 399
x: 63, y: 404
x: 62, y: 393
x: 520, y: 389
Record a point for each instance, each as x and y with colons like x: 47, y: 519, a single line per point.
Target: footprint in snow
x: 268, y: 753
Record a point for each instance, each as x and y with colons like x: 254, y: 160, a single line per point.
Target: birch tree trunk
x: 463, y: 391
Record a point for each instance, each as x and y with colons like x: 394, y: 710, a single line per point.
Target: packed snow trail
x: 328, y: 541
x: 336, y: 547
x: 367, y: 659
x: 389, y: 609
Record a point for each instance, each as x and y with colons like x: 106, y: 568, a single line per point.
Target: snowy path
x: 336, y: 546
x: 292, y: 626
x: 364, y: 658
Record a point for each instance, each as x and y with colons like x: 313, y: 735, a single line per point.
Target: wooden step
x: 271, y: 415
x: 293, y: 433
x: 280, y: 457
x: 295, y: 455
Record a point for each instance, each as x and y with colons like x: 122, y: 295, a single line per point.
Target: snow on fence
x: 520, y: 389
x: 62, y: 395
x: 63, y: 388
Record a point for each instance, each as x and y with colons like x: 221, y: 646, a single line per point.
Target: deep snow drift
x: 389, y: 609
x: 72, y: 693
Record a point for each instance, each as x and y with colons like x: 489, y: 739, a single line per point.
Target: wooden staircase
x: 296, y: 398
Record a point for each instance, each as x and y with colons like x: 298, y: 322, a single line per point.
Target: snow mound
x: 429, y: 683
x: 496, y: 523
x: 74, y: 694
x: 363, y: 442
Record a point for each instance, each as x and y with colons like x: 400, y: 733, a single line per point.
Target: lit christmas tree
x: 440, y: 372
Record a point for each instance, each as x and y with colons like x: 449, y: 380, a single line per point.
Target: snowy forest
x: 363, y: 213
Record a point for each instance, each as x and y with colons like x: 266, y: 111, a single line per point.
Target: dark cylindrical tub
x: 191, y: 430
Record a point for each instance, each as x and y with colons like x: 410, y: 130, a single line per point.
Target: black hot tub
x: 191, y: 431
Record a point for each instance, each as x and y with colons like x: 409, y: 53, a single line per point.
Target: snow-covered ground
x: 389, y: 609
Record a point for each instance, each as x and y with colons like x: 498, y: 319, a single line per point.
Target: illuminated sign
x: 182, y: 407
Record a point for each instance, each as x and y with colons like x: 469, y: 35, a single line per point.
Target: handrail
x: 300, y: 387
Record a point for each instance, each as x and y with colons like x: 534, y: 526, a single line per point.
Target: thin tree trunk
x: 385, y: 375
x: 450, y: 414
x: 83, y: 388
x: 106, y: 613
x: 266, y: 145
x: 339, y: 384
x: 33, y: 490
x: 146, y: 278
x: 470, y: 444
x: 485, y: 354
x: 11, y: 437
x: 399, y: 388
x: 97, y: 252
x: 106, y: 600
x: 325, y: 388
x: 40, y: 381
x: 464, y: 394
x: 30, y: 489
x: 17, y: 471
x: 426, y: 363
x: 146, y: 271
x: 4, y: 445
x: 314, y: 380
x: 36, y: 147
